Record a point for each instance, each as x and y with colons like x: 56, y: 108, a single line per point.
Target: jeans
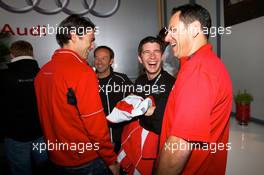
x: 20, y: 156
x: 94, y: 167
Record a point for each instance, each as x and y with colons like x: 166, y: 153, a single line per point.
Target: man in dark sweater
x: 156, y: 82
x: 140, y: 137
x: 20, y: 115
x: 114, y: 87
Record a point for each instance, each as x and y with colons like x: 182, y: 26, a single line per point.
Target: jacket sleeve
x: 154, y: 122
x: 3, y: 103
x: 93, y: 117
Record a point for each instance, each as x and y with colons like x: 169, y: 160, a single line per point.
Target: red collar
x: 68, y: 51
x: 204, y: 48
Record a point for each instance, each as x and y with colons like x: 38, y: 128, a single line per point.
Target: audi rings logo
x: 61, y: 6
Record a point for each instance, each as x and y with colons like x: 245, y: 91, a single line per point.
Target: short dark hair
x: 162, y: 35
x: 191, y: 12
x: 21, y: 48
x: 72, y: 22
x: 150, y: 39
x: 112, y: 54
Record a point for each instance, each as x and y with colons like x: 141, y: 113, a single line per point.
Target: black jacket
x: 113, y: 89
x: 18, y: 102
x: 159, y: 88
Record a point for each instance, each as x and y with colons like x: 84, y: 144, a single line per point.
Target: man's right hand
x: 115, y: 168
x: 150, y: 111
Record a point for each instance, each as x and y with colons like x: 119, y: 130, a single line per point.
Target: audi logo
x: 61, y: 6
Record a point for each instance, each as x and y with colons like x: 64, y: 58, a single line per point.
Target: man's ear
x: 195, y: 28
x: 139, y: 59
x: 74, y: 37
x: 12, y: 56
x: 163, y: 56
x: 111, y: 61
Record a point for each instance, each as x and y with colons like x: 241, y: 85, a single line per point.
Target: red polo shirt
x: 84, y: 137
x: 198, y: 110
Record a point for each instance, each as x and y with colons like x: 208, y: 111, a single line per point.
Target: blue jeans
x: 20, y: 156
x: 94, y: 167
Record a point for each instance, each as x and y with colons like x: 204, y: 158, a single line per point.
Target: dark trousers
x: 21, y: 155
x: 94, y: 167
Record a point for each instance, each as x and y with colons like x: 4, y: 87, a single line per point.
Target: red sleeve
x: 192, y: 107
x: 93, y: 117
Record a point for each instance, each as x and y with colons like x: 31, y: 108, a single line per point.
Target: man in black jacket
x: 156, y: 82
x: 114, y: 87
x: 140, y: 137
x: 20, y: 115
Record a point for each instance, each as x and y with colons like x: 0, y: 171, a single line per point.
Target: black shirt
x: 159, y: 88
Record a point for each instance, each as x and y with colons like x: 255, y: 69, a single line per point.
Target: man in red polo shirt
x: 194, y: 138
x: 70, y: 109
